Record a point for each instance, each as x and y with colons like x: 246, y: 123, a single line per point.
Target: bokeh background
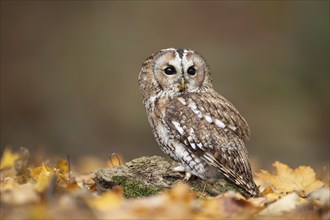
x: 69, y: 73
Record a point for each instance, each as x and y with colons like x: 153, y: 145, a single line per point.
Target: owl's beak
x: 182, y: 86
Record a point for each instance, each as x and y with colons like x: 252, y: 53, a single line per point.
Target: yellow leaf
x: 285, y: 204
x: 181, y: 192
x: 42, y: 175
x: 228, y: 205
x: 38, y: 211
x: 115, y: 160
x: 63, y: 166
x: 7, y: 184
x: 8, y: 158
x: 16, y: 194
x: 209, y: 209
x: 269, y: 193
x: 106, y: 201
x: 286, y: 179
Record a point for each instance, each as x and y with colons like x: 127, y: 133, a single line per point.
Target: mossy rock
x: 146, y: 176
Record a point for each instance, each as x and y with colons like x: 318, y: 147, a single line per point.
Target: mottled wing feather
x: 212, y: 128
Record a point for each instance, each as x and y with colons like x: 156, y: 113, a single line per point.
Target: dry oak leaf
x: 108, y: 200
x: 115, y: 160
x: 227, y: 205
x: 286, y: 179
x: 8, y: 158
x: 283, y: 205
x: 63, y: 166
x: 62, y: 171
x: 16, y: 194
x: 175, y: 203
x: 42, y: 175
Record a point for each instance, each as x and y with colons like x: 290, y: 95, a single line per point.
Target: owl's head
x: 174, y: 71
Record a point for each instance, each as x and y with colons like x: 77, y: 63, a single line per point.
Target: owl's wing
x: 212, y: 128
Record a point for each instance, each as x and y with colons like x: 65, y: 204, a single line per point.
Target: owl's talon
x: 187, y: 176
x: 182, y: 169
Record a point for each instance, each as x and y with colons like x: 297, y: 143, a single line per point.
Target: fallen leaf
x: 180, y: 192
x: 107, y: 200
x: 286, y: 179
x: 62, y: 172
x: 42, y: 175
x: 115, y: 160
x: 20, y: 194
x: 270, y: 194
x: 8, y: 158
x: 283, y: 205
x: 322, y: 196
x: 63, y: 166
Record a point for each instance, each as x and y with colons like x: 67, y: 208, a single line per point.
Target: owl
x: 192, y: 123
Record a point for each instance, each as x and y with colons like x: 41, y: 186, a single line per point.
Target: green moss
x: 147, y: 176
x: 204, y: 188
x: 134, y: 188
x: 195, y: 186
x: 225, y: 186
x: 170, y: 179
x: 119, y: 180
x: 212, y: 187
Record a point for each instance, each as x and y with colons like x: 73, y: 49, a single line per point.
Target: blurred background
x: 69, y: 73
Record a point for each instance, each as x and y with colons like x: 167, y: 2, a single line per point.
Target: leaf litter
x: 54, y: 191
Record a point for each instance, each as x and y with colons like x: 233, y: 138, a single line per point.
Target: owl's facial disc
x: 180, y: 70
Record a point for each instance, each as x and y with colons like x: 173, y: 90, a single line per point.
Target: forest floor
x: 34, y: 187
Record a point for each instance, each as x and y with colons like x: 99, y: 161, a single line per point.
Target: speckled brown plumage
x: 191, y: 122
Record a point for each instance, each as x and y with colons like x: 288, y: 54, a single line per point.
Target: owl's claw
x: 187, y: 176
x: 182, y: 169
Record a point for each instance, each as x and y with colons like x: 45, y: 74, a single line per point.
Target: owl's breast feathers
x: 209, y: 112
x: 211, y: 128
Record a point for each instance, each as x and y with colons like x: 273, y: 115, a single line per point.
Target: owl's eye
x: 191, y: 71
x: 170, y: 70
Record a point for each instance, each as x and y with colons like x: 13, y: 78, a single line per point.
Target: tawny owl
x: 191, y: 122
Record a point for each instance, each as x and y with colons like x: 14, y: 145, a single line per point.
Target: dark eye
x: 191, y: 71
x: 170, y: 70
